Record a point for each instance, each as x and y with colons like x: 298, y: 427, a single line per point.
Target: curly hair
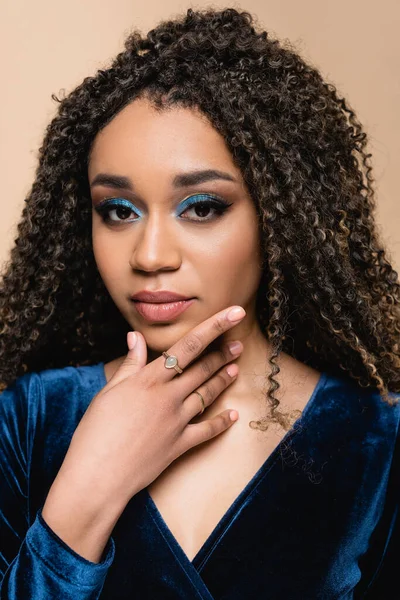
x: 329, y: 296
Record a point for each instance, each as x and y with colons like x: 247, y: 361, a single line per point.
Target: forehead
x: 174, y: 139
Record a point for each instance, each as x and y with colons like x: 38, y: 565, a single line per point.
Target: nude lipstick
x: 162, y: 306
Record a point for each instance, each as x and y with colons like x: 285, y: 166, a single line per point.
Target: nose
x: 155, y: 247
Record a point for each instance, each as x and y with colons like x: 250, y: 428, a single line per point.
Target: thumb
x: 135, y: 360
x: 137, y: 355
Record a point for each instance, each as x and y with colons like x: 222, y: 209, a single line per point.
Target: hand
x: 139, y: 423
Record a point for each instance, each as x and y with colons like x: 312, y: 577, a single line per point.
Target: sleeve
x: 34, y: 562
x: 385, y: 574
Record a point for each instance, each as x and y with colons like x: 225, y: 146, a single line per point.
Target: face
x: 171, y: 213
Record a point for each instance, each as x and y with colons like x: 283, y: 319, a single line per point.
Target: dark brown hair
x: 329, y: 296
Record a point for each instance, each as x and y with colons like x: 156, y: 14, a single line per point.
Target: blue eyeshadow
x: 117, y: 202
x: 196, y: 199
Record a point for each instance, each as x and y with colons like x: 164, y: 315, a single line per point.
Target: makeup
x: 202, y: 202
x: 117, y: 210
x: 162, y: 312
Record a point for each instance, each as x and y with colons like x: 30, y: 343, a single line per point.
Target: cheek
x: 107, y: 252
x: 100, y: 253
x: 234, y: 264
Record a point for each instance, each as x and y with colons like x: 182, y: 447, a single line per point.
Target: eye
x: 202, y: 207
x: 117, y: 210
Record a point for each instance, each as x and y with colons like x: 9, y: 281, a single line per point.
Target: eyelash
x: 110, y: 204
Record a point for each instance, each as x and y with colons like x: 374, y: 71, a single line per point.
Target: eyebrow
x: 182, y: 180
x: 196, y: 177
x: 115, y: 181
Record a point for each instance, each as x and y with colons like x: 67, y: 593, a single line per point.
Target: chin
x: 160, y: 336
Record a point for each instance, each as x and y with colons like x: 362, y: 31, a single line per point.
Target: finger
x: 197, y: 433
x: 194, y: 343
x: 134, y: 361
x: 193, y: 407
x: 196, y: 374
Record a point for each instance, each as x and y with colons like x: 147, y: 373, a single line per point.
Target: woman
x: 207, y: 171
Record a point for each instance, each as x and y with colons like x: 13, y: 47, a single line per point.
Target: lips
x: 158, y: 297
x: 160, y: 306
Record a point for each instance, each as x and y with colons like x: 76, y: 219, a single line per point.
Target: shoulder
x: 55, y: 395
x: 349, y: 400
x: 357, y: 417
x: 73, y: 386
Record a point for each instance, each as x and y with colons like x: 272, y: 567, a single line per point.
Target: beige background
x: 49, y: 45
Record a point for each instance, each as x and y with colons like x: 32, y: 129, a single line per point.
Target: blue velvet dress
x: 319, y: 520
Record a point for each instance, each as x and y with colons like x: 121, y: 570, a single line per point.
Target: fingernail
x: 132, y: 339
x: 232, y: 370
x: 235, y: 314
x: 234, y: 347
x: 234, y: 415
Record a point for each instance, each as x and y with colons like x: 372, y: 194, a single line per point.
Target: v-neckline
x: 217, y: 533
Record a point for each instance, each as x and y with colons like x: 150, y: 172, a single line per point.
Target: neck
x: 253, y: 363
x: 253, y: 366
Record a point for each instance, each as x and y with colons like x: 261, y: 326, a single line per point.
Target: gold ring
x: 171, y: 362
x: 202, y: 401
